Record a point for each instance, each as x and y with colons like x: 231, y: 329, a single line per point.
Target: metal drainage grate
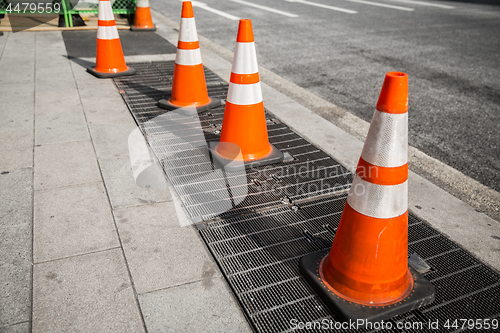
x: 259, y: 255
x: 258, y: 242
x: 179, y: 142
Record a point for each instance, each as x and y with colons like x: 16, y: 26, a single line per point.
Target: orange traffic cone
x: 142, y: 18
x: 243, y: 138
x: 189, y: 88
x: 110, y: 61
x: 366, y: 274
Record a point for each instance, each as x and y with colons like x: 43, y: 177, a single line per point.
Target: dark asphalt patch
x: 82, y: 44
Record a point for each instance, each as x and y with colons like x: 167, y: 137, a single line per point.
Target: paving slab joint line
x: 136, y: 296
x: 14, y: 324
x: 4, y: 43
x: 141, y: 205
x: 482, y: 198
x: 225, y: 279
x: 77, y: 255
x: 32, y: 278
x: 65, y: 186
x: 182, y: 284
x: 59, y: 142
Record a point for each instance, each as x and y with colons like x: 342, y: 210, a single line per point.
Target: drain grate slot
x: 453, y: 287
x: 286, y: 293
x: 276, y: 214
x: 479, y: 305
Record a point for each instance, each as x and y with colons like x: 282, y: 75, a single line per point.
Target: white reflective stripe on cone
x: 380, y: 201
x: 105, y: 11
x: 187, y: 30
x: 244, y: 94
x: 188, y: 57
x: 386, y: 144
x: 107, y: 32
x: 142, y: 3
x: 245, y: 59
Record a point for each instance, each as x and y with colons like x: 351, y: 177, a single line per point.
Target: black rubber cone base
x: 100, y: 75
x: 134, y: 28
x: 276, y: 156
x: 347, y: 311
x: 165, y: 104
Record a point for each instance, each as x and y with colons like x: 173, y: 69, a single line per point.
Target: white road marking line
x: 215, y: 11
x: 423, y: 3
x: 265, y: 8
x: 381, y: 5
x: 323, y: 6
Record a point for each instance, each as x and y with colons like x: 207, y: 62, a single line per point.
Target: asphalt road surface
x: 341, y: 49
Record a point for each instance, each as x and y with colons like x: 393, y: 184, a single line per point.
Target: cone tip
x: 245, y: 31
x: 394, y: 95
x: 187, y: 9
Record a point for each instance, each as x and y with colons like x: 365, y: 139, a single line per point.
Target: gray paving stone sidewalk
x: 83, y: 247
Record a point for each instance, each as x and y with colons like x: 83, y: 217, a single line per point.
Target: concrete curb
x: 475, y: 231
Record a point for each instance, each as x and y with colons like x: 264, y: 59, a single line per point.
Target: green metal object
x: 69, y: 8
